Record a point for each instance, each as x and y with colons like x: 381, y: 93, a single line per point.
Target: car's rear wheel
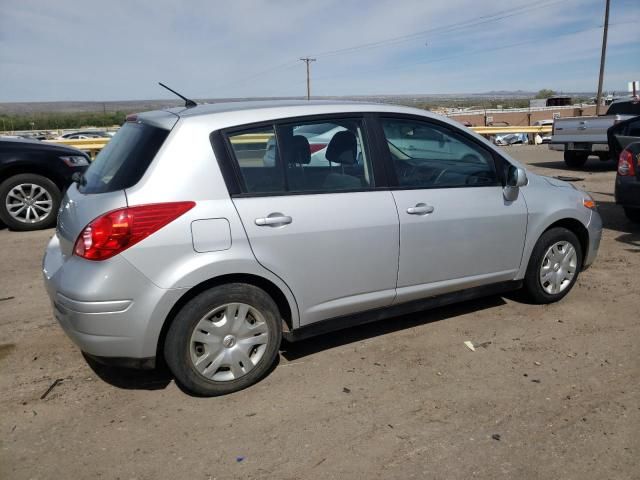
x: 575, y: 159
x: 224, y: 339
x: 554, y: 266
x: 632, y: 214
x: 29, y: 202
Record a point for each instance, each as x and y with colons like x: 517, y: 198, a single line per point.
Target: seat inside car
x: 296, y: 156
x: 342, y: 149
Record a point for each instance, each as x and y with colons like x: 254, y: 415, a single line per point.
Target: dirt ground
x: 554, y: 393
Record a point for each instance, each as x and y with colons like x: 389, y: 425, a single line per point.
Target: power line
x: 523, y: 8
x: 465, y: 54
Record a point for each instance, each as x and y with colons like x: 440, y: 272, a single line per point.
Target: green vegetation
x: 56, y: 121
x: 545, y: 93
x: 479, y: 103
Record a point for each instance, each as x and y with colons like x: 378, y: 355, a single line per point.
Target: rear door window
x: 315, y: 156
x: 123, y: 161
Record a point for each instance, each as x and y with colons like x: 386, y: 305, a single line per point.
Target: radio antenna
x: 187, y: 102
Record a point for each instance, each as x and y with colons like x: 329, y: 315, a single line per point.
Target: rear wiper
x: 187, y: 102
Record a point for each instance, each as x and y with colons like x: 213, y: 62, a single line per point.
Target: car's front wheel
x: 554, y: 266
x: 29, y: 202
x: 224, y: 339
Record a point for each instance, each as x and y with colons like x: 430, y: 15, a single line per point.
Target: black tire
x: 575, y: 159
x: 533, y: 288
x: 633, y: 214
x: 177, y: 346
x: 29, y: 178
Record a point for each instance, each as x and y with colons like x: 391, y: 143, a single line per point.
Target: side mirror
x: 516, y: 178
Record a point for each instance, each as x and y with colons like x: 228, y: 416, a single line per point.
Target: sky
x: 88, y: 50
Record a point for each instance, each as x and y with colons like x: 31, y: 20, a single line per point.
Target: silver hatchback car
x: 181, y: 242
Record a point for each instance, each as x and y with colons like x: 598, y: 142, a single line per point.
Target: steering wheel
x: 411, y: 174
x: 480, y: 177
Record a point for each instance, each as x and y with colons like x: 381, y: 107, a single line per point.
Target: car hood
x: 36, y: 145
x: 556, y: 182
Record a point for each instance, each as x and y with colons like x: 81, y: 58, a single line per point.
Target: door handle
x: 420, y: 209
x: 274, y: 220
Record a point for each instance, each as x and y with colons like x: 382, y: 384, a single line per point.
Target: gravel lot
x: 554, y: 393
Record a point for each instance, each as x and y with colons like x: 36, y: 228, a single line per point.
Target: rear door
x: 456, y: 229
x: 324, y: 228
x: 119, y: 165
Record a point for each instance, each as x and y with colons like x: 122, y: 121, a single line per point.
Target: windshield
x: 123, y: 161
x: 624, y: 108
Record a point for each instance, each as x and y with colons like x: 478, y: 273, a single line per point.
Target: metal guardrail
x: 91, y: 145
x: 511, y: 129
x: 94, y: 145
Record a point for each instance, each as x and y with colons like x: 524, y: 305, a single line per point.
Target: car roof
x: 228, y: 114
x: 625, y: 100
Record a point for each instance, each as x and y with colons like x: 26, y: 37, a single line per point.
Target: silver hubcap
x: 558, y: 267
x: 228, y: 342
x: 29, y: 203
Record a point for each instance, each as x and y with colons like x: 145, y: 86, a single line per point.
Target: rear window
x: 123, y: 161
x: 624, y: 108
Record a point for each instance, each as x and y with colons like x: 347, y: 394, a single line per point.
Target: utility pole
x: 307, y: 60
x: 602, y: 56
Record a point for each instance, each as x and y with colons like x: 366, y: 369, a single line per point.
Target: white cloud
x: 90, y: 50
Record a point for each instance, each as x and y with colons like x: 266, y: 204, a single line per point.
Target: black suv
x: 33, y: 176
x: 624, y: 144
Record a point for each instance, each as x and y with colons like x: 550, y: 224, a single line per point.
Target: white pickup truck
x: 579, y: 137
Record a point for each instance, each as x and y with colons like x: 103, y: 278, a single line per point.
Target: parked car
x: 33, y: 176
x: 511, y: 139
x: 84, y: 134
x: 624, y: 143
x: 545, y: 137
x: 580, y: 137
x: 177, y: 244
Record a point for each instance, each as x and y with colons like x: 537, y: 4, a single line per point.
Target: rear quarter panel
x: 185, y: 169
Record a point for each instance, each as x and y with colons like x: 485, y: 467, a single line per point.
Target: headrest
x: 342, y: 148
x: 300, y: 154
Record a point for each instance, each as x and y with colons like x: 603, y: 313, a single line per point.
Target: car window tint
x: 426, y: 155
x: 123, y: 161
x: 624, y: 108
x: 325, y: 156
x: 256, y: 154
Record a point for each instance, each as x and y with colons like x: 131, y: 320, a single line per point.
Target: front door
x: 456, y: 229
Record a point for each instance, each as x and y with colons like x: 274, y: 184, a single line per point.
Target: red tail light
x: 625, y: 164
x: 316, y: 147
x: 118, y: 230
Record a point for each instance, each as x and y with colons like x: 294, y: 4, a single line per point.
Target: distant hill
x: 26, y: 108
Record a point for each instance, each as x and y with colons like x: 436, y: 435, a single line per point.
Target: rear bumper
x: 627, y: 191
x: 595, y: 235
x: 109, y: 309
x: 593, y: 147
